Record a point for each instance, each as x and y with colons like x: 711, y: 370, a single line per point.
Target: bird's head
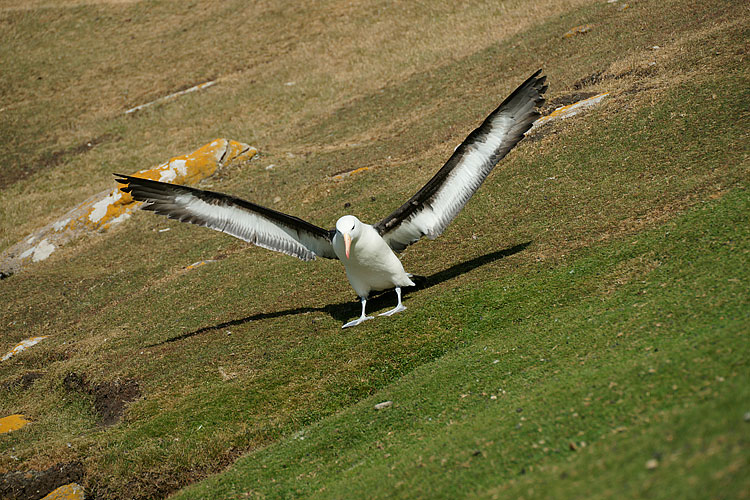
x: 349, y: 227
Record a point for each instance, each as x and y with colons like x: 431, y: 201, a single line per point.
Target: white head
x: 349, y: 227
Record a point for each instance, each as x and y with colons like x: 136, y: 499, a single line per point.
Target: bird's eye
x: 352, y: 227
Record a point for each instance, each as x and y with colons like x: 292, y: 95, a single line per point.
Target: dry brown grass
x: 72, y: 78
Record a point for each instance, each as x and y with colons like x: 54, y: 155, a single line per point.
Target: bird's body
x: 367, y: 251
x: 372, y: 265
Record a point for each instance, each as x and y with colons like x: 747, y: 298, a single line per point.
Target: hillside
x: 582, y: 329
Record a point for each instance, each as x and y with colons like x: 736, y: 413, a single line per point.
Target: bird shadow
x: 343, y: 310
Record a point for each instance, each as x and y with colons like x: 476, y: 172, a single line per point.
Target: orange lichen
x: 578, y: 30
x: 186, y: 169
x: 12, y: 423
x: 22, y: 345
x: 342, y: 175
x: 72, y: 491
x: 108, y: 207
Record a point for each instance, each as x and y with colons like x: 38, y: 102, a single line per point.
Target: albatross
x: 368, y: 252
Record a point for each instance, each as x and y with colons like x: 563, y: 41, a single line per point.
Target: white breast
x: 371, y: 265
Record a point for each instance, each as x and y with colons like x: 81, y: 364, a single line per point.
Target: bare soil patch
x: 23, y: 382
x: 33, y: 485
x: 110, y: 398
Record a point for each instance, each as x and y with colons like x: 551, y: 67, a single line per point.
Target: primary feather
x: 242, y: 219
x: 366, y: 251
x: 433, y: 207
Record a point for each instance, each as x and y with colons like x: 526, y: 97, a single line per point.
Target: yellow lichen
x: 72, y: 491
x: 12, y: 423
x: 578, y: 30
x: 186, y: 169
x: 342, y: 175
x: 23, y: 345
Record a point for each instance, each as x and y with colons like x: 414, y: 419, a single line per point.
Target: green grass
x: 609, y: 285
x: 549, y: 357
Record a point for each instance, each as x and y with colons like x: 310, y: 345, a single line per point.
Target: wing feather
x: 434, y: 206
x: 242, y: 219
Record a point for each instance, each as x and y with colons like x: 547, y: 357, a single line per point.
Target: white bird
x: 367, y: 251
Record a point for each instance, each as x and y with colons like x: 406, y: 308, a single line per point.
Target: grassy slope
x: 626, y: 369
x: 640, y: 160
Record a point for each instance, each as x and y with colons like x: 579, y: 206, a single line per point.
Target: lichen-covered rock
x: 110, y: 207
x: 570, y: 110
x: 12, y: 423
x: 22, y: 346
x: 72, y: 491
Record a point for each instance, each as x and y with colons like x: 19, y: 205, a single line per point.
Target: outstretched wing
x: 435, y: 205
x: 244, y: 220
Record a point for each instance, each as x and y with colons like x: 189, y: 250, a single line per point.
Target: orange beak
x: 347, y: 243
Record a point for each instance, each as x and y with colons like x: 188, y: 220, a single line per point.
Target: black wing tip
x: 538, y: 76
x: 534, y: 88
x: 121, y: 178
x: 131, y: 183
x: 127, y: 181
x: 537, y: 81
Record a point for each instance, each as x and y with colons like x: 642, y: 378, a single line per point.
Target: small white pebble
x: 383, y: 405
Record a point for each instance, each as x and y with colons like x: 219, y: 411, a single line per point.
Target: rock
x: 569, y: 110
x: 112, y: 206
x: 652, y: 464
x: 12, y: 423
x: 199, y: 264
x: 383, y: 405
x: 22, y: 346
x: 72, y: 491
x: 578, y: 30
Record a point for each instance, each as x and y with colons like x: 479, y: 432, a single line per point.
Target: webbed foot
x: 357, y: 321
